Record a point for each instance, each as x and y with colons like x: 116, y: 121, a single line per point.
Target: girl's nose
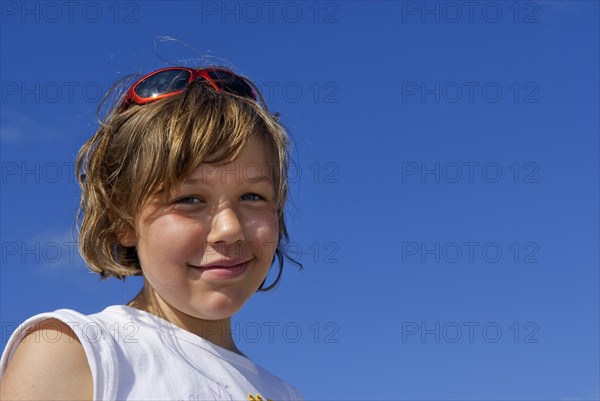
x: 225, y: 227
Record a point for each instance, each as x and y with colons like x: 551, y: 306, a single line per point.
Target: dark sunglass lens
x: 231, y: 83
x: 163, y: 82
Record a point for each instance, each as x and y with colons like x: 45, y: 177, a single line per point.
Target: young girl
x: 184, y: 183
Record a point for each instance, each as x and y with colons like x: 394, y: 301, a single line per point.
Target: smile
x: 223, y: 270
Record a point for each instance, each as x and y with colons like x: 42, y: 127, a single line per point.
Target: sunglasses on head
x: 171, y: 81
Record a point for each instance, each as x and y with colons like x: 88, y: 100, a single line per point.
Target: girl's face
x: 208, y: 247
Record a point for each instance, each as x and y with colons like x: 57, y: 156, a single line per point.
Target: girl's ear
x: 125, y: 234
x: 127, y: 237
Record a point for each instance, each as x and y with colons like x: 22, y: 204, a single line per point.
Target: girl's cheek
x: 172, y: 232
x: 264, y: 224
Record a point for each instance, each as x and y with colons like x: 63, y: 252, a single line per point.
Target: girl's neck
x: 216, y: 331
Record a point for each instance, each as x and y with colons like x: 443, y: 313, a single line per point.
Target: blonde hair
x: 154, y: 147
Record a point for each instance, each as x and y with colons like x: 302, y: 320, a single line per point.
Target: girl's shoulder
x: 47, y: 361
x: 57, y: 355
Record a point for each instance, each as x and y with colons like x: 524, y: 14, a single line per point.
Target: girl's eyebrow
x: 252, y: 180
x: 259, y: 179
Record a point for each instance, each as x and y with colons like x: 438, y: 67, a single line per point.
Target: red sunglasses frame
x: 132, y: 97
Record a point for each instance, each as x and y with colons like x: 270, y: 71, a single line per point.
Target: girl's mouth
x: 223, y: 270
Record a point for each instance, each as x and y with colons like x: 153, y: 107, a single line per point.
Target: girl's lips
x: 222, y: 272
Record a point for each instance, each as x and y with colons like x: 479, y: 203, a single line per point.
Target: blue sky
x: 445, y: 187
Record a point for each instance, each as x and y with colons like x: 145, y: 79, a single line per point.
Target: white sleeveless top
x: 134, y: 355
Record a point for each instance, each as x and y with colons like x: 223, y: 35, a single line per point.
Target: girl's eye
x: 252, y: 197
x: 187, y: 200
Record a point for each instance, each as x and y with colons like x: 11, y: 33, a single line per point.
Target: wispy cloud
x: 16, y: 127
x: 58, y: 250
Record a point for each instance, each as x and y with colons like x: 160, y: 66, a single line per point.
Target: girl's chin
x: 214, y: 309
